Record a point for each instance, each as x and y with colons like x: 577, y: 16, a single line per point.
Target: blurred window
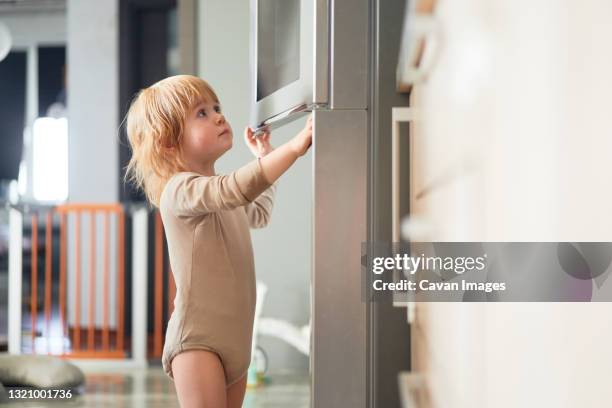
x: 50, y: 159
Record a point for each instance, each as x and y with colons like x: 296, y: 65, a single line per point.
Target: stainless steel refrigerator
x: 320, y: 56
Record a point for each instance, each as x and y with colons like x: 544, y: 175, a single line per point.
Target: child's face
x: 207, y: 134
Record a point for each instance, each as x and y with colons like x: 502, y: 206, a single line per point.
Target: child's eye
x: 218, y: 108
x: 201, y: 112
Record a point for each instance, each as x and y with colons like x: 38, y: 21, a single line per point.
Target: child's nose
x: 220, y: 118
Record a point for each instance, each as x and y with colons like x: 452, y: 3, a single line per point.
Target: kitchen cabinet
x: 511, y: 143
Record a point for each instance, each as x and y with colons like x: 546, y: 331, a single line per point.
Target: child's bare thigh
x: 199, y: 379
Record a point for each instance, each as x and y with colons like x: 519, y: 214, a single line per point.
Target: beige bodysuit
x: 207, y: 220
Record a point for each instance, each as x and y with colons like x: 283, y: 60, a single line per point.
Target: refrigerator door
x: 339, y: 352
x: 289, y: 54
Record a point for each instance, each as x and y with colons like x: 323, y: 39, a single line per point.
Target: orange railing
x: 89, y: 333
x: 93, y: 348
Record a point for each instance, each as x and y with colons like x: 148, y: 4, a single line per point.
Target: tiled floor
x: 151, y: 388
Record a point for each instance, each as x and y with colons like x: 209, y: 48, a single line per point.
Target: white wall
x: 283, y: 249
x: 92, y: 100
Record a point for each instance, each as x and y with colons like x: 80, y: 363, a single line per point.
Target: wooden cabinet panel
x: 512, y: 143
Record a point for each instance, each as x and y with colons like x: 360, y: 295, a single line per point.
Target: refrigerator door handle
x: 287, y: 116
x: 284, y: 117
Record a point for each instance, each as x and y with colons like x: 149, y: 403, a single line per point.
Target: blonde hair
x: 155, y: 123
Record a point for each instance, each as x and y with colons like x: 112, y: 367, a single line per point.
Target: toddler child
x: 177, y: 130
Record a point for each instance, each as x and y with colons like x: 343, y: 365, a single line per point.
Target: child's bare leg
x: 199, y: 379
x: 235, y: 393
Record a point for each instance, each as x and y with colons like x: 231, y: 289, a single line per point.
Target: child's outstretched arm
x: 259, y: 211
x: 277, y: 161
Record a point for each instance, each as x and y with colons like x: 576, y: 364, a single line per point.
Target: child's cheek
x: 205, y: 140
x: 202, y: 137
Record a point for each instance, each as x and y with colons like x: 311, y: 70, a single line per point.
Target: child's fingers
x: 249, y: 136
x: 309, y: 123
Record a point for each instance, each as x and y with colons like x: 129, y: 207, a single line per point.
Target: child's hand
x: 259, y: 145
x: 302, y: 141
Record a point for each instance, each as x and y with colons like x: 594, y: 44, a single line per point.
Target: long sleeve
x: 191, y: 194
x: 259, y: 211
